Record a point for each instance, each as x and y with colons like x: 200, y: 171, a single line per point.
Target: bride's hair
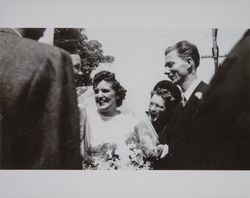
x: 110, y: 77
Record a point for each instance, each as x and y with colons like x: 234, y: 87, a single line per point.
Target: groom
x: 181, y: 63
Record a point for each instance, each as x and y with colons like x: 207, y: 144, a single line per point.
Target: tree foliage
x: 75, y: 41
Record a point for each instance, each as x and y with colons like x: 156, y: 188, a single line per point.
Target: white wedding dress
x: 119, y: 142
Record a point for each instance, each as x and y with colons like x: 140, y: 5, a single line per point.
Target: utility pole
x: 215, y: 48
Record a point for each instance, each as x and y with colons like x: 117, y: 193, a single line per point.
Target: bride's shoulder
x: 128, y: 117
x: 87, y: 113
x: 141, y: 117
x: 136, y: 118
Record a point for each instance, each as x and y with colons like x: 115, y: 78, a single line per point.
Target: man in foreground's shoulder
x: 40, y: 125
x: 224, y: 116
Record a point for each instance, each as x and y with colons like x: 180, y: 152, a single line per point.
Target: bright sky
x: 139, y: 55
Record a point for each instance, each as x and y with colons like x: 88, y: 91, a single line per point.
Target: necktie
x: 184, y: 101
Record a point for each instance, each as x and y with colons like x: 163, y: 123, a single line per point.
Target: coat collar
x: 190, y: 90
x: 197, y: 94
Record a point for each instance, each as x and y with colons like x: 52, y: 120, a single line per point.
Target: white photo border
x: 124, y: 14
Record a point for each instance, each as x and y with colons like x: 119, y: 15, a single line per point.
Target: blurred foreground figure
x: 223, y: 122
x: 39, y: 122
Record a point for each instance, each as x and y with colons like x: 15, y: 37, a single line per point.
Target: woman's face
x: 156, y: 107
x: 105, y: 97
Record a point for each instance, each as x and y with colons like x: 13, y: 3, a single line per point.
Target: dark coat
x: 39, y: 123
x: 223, y: 123
x: 178, y: 134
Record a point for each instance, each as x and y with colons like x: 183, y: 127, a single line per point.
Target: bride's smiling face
x: 105, y: 97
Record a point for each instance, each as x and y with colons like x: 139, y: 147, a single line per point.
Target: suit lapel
x: 196, y: 96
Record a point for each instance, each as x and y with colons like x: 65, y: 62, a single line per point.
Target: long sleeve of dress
x: 83, y: 131
x: 146, y: 133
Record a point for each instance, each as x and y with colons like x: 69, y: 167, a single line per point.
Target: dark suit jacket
x: 179, y: 136
x: 39, y: 126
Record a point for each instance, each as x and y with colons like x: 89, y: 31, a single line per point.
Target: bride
x: 111, y: 139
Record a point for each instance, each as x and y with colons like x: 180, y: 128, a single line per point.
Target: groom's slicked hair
x: 186, y: 49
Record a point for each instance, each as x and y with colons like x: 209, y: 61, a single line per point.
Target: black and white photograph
x: 125, y: 99
x: 133, y: 100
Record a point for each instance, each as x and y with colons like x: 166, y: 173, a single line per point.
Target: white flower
x: 109, y: 153
x: 198, y: 95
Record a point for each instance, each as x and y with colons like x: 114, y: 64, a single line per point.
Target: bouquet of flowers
x: 138, y: 158
x: 130, y: 156
x: 104, y: 158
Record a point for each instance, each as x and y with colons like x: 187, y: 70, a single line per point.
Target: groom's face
x: 176, y: 68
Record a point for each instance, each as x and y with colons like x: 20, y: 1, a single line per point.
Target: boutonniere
x: 198, y: 95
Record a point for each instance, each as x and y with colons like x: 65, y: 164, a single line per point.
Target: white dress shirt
x: 187, y: 94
